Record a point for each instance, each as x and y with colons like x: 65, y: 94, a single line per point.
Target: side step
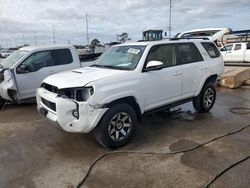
x: 168, y: 106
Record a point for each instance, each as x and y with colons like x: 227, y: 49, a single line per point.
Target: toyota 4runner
x: 128, y: 81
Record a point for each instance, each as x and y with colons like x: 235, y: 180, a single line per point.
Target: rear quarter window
x: 62, y: 56
x: 248, y: 46
x: 211, y: 49
x: 188, y: 53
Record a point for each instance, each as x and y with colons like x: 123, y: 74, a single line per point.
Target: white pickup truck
x: 128, y: 81
x: 238, y: 52
x: 23, y: 71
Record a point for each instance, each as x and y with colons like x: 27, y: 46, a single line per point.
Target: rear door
x: 193, y: 68
x: 38, y: 66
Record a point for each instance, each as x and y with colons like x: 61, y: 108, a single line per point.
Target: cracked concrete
x: 34, y: 153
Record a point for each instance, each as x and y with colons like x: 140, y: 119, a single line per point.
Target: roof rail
x: 203, y: 38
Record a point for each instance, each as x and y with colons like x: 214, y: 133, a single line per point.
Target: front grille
x: 49, y: 104
x: 50, y: 88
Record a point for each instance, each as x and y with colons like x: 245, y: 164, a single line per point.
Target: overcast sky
x: 20, y: 20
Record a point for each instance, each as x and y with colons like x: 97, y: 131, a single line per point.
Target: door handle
x: 203, y: 68
x: 177, y: 73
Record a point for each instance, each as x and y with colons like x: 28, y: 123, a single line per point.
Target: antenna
x: 87, y: 28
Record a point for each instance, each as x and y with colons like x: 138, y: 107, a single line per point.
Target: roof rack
x: 202, y: 38
x: 171, y: 39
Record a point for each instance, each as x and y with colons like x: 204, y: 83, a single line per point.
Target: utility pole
x: 10, y: 43
x: 87, y: 28
x: 53, y: 33
x: 35, y: 38
x: 23, y: 41
x: 170, y: 18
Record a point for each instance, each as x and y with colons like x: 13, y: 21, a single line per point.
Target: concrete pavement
x: 34, y: 153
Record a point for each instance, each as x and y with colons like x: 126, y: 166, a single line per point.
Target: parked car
x: 238, y: 52
x: 5, y: 53
x: 128, y: 81
x: 23, y: 71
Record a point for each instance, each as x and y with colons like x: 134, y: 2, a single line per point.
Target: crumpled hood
x: 80, y: 77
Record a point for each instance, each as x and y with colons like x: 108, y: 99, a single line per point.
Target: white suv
x: 128, y: 81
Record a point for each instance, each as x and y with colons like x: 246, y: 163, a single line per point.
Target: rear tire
x: 205, y: 100
x: 117, y: 126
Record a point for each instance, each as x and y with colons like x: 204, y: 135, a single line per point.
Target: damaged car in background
x: 22, y: 72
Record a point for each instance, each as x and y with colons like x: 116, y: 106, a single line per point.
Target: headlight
x: 1, y: 76
x: 78, y: 94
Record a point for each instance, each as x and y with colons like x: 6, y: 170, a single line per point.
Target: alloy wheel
x: 208, y: 97
x: 119, y: 126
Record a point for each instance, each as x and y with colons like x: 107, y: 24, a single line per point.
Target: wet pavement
x: 34, y: 153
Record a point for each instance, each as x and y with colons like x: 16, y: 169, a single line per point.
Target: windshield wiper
x: 109, y: 67
x: 97, y: 65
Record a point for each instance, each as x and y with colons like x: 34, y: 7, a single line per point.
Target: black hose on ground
x: 166, y: 153
x: 225, y: 170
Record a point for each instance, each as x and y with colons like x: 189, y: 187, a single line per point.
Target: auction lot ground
x: 34, y: 153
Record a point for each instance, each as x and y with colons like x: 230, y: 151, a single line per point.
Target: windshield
x: 13, y: 58
x: 121, y: 57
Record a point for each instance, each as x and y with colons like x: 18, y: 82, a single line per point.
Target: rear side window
x: 188, y: 53
x: 62, y: 56
x: 211, y: 49
x: 248, y: 46
x: 237, y: 47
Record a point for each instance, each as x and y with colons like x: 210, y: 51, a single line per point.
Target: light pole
x: 170, y: 18
x: 87, y: 28
x: 35, y: 38
x: 53, y: 33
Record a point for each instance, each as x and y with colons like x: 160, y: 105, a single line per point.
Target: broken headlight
x: 1, y: 76
x: 78, y: 94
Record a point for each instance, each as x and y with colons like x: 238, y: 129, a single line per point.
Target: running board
x: 168, y: 106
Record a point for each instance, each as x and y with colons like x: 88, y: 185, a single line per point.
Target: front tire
x: 1, y: 102
x: 117, y: 126
x: 205, y: 100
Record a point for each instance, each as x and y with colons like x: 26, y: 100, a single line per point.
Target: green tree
x: 95, y: 42
x: 123, y: 37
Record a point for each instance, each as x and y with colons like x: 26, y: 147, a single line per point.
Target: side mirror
x: 153, y: 65
x: 22, y: 69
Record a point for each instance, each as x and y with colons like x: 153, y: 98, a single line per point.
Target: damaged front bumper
x: 6, y: 84
x: 72, y: 116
